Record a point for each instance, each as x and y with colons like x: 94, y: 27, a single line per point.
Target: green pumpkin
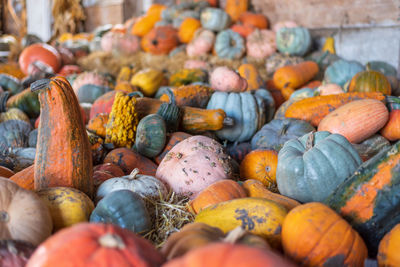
x: 370, y: 198
x: 171, y: 114
x: 389, y: 71
x: 229, y: 45
x: 312, y: 166
x: 327, y: 60
x: 11, y: 84
x: 188, y: 76
x: 248, y: 109
x: 26, y: 101
x: 371, y: 146
x: 278, y: 131
x: 88, y: 93
x: 341, y: 71
x: 293, y: 41
x: 123, y: 208
x: 214, y: 19
x: 151, y: 135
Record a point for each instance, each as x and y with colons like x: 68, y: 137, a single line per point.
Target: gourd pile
x: 254, y: 151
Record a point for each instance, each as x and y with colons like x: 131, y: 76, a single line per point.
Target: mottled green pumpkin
x: 188, y: 76
x: 88, y: 93
x: 10, y: 83
x: 389, y: 71
x: 26, y: 101
x: 171, y: 114
x: 341, y: 71
x: 312, y: 166
x: 229, y: 45
x: 293, y: 41
x: 123, y: 208
x: 151, y: 135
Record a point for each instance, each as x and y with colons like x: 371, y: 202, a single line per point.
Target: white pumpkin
x: 144, y: 185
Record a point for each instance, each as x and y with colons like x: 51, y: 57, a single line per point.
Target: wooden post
x: 39, y: 18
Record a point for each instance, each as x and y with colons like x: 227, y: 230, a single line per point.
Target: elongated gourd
x: 189, y: 95
x: 295, y: 76
x: 314, y: 109
x: 63, y: 155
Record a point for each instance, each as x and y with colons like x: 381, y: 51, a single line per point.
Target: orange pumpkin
x: 217, y: 192
x: 253, y: 78
x: 160, y: 40
x: 144, y: 24
x: 97, y: 124
x: 315, y: 235
x: 187, y: 29
x: 254, y: 19
x: 370, y: 81
x: 235, y: 8
x: 260, y: 165
x: 391, y: 131
x: 39, y: 52
x: 243, y: 30
x: 295, y: 75
x: 388, y: 252
x: 25, y: 178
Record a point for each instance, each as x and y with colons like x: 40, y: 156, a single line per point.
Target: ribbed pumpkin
x: 252, y: 76
x: 235, y: 8
x: 261, y: 44
x: 174, y: 139
x: 88, y: 244
x: 314, y: 235
x: 341, y: 71
x: 217, y: 192
x: 150, y: 135
x: 388, y: 248
x: 370, y: 81
x: 160, y: 40
x: 43, y: 53
x: 260, y: 165
x: 293, y: 41
x: 256, y: 20
x: 69, y: 164
x: 238, y: 151
x: 389, y: 71
x: 229, y: 45
x: 312, y: 166
x: 214, y: 19
x: 368, y: 198
x: 187, y: 29
x: 356, y: 120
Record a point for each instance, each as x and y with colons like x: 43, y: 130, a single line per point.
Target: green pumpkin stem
x: 40, y: 84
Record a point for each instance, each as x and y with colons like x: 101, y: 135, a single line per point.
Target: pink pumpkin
x: 120, y: 43
x: 227, y: 80
x: 261, y: 44
x: 193, y: 164
x: 201, y: 43
x: 330, y: 89
x: 89, y: 77
x: 284, y: 24
x: 196, y: 64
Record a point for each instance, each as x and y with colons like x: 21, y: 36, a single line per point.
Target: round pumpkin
x: 391, y: 130
x: 312, y: 166
x: 67, y: 206
x: 201, y: 43
x: 89, y: 77
x: 227, y: 80
x: 120, y: 43
x: 103, y: 104
x: 341, y: 71
x: 388, y: 248
x: 187, y: 29
x: 293, y: 41
x: 261, y: 44
x: 370, y: 81
x: 41, y: 52
x: 315, y: 235
x: 243, y: 30
x: 150, y: 135
x: 254, y: 19
x: 89, y: 244
x: 160, y: 40
x: 260, y: 165
x: 15, y: 253
x: 214, y: 19
x: 330, y: 89
x: 229, y: 45
x: 252, y: 76
x: 23, y: 215
x: 389, y: 71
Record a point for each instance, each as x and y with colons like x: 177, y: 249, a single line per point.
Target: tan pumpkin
x: 23, y: 215
x: 261, y: 44
x: 330, y: 89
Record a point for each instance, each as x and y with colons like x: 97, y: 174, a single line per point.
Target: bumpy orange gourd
x: 63, y: 154
x: 235, y: 8
x: 388, y: 252
x: 315, y: 235
x: 295, y: 75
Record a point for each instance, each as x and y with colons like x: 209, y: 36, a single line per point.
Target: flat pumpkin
x: 370, y: 81
x: 229, y: 45
x: 160, y: 40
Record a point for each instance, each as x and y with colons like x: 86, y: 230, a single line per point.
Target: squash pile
x: 271, y: 155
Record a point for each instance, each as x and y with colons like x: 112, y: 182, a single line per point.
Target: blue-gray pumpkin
x: 249, y: 110
x: 229, y: 45
x: 311, y: 167
x: 278, y: 131
x: 151, y: 135
x: 341, y: 71
x: 123, y: 208
x: 293, y: 41
x: 214, y: 19
x: 88, y: 93
x: 389, y: 71
x: 10, y: 83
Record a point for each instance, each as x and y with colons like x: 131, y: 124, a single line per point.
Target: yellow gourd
x: 149, y: 80
x: 329, y: 45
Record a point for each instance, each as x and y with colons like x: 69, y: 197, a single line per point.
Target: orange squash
x: 187, y: 29
x: 6, y: 172
x: 217, y: 192
x: 254, y: 19
x: 25, y: 178
x: 97, y: 124
x: 189, y: 95
x: 370, y: 81
x: 160, y: 40
x: 235, y: 8
x: 391, y: 131
x: 295, y: 75
x: 314, y: 109
x: 252, y: 76
x: 260, y: 165
x: 315, y: 235
x: 255, y: 188
x: 388, y: 252
x: 243, y: 30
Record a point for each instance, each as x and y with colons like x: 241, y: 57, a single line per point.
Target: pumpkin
x: 238, y: 150
x: 87, y: 244
x: 367, y: 198
x: 277, y: 60
x: 391, y: 130
x: 123, y: 208
x: 314, y: 109
x: 293, y: 41
x: 15, y: 253
x: 23, y: 215
x: 217, y: 192
x: 103, y: 104
x: 235, y: 8
x: 148, y: 80
x: 388, y: 248
x: 356, y: 120
x: 61, y: 122
x: 257, y: 215
x: 214, y: 19
x: 120, y: 43
x: 389, y: 71
x: 254, y: 19
x: 189, y: 95
x: 43, y: 53
x: 89, y: 78
x: 315, y: 235
x: 370, y: 81
x: 12, y: 68
x: 250, y: 110
x: 174, y: 139
x: 97, y: 124
x: 109, y: 168
x: 10, y: 83
x: 201, y: 43
x: 150, y: 135
x: 88, y: 93
x: 284, y: 24
x: 260, y: 44
x: 255, y: 188
x: 324, y: 59
x: 275, y: 133
x: 68, y: 70
x: 295, y: 76
x: 160, y: 40
x: 229, y: 45
x: 312, y: 166
x: 196, y: 64
x: 128, y: 160
x: 188, y: 76
x: 187, y: 29
x: 145, y: 23
x: 371, y: 146
x: 14, y: 133
x: 201, y: 162
x: 25, y: 178
x: 243, y: 30
x: 341, y: 71
x: 67, y: 206
x: 13, y: 114
x: 260, y: 165
x: 26, y: 101
x: 329, y: 89
x: 227, y: 80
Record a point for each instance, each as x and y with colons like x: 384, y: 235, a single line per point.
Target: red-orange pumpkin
x: 254, y: 19
x: 25, y: 178
x: 43, y: 53
x: 391, y: 131
x: 160, y: 40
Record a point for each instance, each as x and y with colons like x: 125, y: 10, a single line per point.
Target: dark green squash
x: 151, y: 135
x: 123, y: 208
x: 26, y: 101
x: 172, y: 116
x: 10, y: 83
x: 370, y: 198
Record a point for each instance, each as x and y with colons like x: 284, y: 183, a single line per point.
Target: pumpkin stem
x: 133, y: 174
x: 310, y: 141
x: 111, y: 241
x: 285, y: 126
x: 171, y: 96
x: 40, y: 84
x: 4, y: 217
x: 321, y: 58
x: 234, y: 235
x: 3, y: 101
x: 228, y: 121
x: 136, y: 94
x: 368, y: 66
